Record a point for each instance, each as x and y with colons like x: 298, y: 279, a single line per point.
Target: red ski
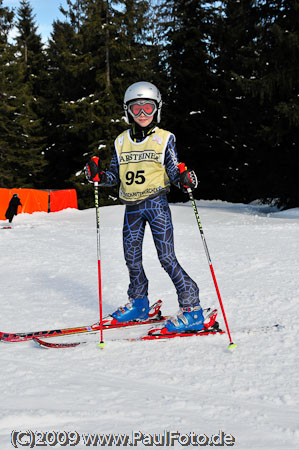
x: 210, y: 327
x: 148, y: 337
x: 155, y: 316
x: 204, y: 332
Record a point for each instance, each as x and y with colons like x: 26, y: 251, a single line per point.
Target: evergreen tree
x: 133, y: 49
x: 82, y: 106
x: 234, y: 144
x: 6, y: 23
x: 6, y: 93
x: 29, y: 43
x: 28, y: 150
x: 187, y: 27
x: 23, y: 162
x: 277, y: 88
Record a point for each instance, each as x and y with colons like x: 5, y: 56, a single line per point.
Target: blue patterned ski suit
x: 156, y: 212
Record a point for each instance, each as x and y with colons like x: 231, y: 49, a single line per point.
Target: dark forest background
x: 228, y: 72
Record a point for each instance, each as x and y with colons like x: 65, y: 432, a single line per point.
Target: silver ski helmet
x: 143, y: 90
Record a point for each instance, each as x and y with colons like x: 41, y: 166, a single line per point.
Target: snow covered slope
x: 49, y: 279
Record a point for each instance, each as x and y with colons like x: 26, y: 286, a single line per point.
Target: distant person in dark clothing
x: 12, y: 209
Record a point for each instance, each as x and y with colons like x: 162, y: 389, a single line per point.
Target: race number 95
x: 135, y: 177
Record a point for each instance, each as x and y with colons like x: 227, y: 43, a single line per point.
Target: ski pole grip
x: 182, y: 167
x: 95, y: 159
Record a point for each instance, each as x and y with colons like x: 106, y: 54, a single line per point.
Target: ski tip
x: 232, y: 346
x: 101, y: 345
x: 45, y: 344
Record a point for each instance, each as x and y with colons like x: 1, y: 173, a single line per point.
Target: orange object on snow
x: 34, y: 200
x: 66, y: 198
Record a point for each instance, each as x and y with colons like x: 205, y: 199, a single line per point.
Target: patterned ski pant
x: 157, y: 213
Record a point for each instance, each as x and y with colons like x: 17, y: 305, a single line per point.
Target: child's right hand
x: 93, y: 172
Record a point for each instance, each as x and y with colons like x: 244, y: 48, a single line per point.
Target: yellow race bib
x: 141, y: 166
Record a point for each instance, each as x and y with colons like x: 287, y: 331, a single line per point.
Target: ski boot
x: 188, y: 319
x: 134, y: 311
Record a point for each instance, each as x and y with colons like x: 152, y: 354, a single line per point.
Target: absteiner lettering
x: 149, y: 155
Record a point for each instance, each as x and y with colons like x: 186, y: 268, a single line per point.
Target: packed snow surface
x: 49, y: 279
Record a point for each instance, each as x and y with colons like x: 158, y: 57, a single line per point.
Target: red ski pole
x: 96, y: 198
x: 182, y: 168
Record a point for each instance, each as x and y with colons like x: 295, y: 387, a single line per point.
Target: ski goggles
x: 147, y: 107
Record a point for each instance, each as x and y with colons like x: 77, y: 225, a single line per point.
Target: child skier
x: 145, y: 163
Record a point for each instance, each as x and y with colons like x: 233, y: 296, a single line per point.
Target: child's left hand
x: 188, y: 178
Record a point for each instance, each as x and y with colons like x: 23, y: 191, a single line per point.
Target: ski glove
x: 188, y: 178
x: 93, y: 172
